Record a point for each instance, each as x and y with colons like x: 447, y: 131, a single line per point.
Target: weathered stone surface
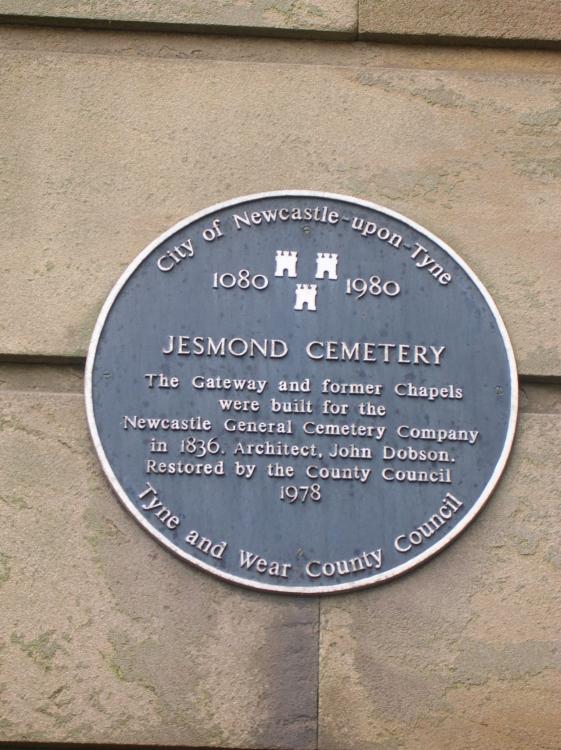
x: 495, y: 22
x: 256, y: 49
x: 335, y: 18
x: 540, y: 398
x: 106, y: 637
x: 41, y: 377
x: 464, y: 652
x: 102, y: 152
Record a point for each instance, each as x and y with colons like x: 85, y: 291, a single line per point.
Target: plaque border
x: 301, y: 590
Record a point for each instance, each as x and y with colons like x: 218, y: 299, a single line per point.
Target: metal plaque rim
x: 301, y: 590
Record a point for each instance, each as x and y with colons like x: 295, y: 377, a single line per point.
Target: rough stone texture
x: 495, y: 22
x: 102, y: 152
x: 278, y: 51
x: 106, y: 637
x: 334, y: 18
x: 41, y: 377
x: 540, y: 398
x: 464, y: 652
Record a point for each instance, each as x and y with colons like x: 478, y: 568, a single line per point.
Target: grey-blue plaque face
x: 301, y: 392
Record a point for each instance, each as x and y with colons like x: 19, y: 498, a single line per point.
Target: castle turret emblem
x: 286, y: 261
x: 326, y: 263
x: 306, y: 295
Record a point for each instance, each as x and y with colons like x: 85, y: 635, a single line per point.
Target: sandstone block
x: 324, y: 18
x: 107, y: 638
x: 103, y: 152
x: 463, y: 652
x: 499, y: 23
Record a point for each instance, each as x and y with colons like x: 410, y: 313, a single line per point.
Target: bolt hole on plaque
x: 301, y: 392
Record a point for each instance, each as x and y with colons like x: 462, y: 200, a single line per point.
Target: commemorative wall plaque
x: 301, y: 392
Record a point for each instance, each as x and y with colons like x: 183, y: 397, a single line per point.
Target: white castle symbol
x: 326, y: 264
x: 306, y: 295
x: 286, y: 261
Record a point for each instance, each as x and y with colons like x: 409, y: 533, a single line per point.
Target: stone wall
x: 120, y: 118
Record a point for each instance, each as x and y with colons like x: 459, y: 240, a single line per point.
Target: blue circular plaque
x: 301, y: 392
